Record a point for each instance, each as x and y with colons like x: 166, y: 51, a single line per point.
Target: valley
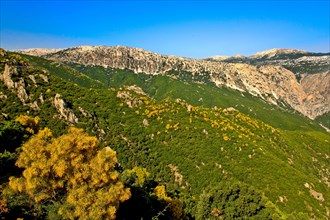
x: 223, y: 138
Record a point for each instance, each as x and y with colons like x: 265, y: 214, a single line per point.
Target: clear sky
x: 195, y: 29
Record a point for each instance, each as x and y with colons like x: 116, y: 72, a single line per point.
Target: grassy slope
x: 254, y: 153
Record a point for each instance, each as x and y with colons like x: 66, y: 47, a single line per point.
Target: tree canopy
x: 72, y: 172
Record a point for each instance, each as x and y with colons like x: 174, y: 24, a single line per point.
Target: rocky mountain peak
x: 37, y: 51
x: 100, y: 49
x: 239, y: 56
x: 275, y: 52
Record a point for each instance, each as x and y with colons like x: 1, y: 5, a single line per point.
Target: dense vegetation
x: 179, y: 157
x: 162, y: 87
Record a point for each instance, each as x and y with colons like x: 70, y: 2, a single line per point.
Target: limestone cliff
x: 63, y: 109
x: 18, y: 86
x: 21, y: 79
x: 317, y: 88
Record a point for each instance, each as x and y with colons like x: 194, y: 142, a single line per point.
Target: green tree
x: 232, y: 201
x: 12, y: 135
x: 72, y: 174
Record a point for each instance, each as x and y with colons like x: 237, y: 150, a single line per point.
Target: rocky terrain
x: 312, y: 71
x: 300, y: 62
x: 37, y: 51
x: 191, y: 149
x: 19, y: 86
x: 14, y: 78
x: 275, y: 52
x: 274, y: 83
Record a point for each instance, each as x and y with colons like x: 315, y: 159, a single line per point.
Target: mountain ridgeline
x: 277, y: 84
x: 195, y: 139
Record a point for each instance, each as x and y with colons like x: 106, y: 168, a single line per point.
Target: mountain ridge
x: 272, y: 51
x: 37, y: 51
x: 277, y: 51
x: 186, y: 147
x: 272, y: 83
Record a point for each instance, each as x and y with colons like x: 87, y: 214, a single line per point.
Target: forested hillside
x: 94, y: 142
x: 275, y: 83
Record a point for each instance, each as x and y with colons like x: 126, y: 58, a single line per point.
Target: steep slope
x: 275, y: 84
x: 162, y: 87
x: 185, y: 147
x: 318, y: 88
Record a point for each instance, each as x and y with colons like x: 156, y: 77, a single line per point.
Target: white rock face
x: 276, y: 51
x: 324, y: 59
x: 21, y: 92
x: 17, y: 84
x: 64, y: 111
x: 38, y: 51
x: 6, y: 77
x: 317, y: 89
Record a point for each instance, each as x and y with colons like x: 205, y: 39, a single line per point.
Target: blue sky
x: 195, y: 29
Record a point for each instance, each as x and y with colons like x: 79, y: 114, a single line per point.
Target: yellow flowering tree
x: 74, y: 170
x: 31, y: 125
x: 136, y: 176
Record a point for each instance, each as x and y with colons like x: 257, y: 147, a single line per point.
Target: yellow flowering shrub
x: 31, y: 125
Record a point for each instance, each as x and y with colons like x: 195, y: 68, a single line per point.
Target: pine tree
x: 71, y: 171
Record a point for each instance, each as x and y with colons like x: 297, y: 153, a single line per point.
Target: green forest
x: 81, y: 142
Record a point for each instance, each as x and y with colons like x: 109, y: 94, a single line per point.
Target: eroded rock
x: 62, y: 108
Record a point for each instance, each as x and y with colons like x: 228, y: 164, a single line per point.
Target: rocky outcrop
x: 19, y: 77
x: 18, y: 86
x: 21, y: 92
x: 5, y: 77
x: 274, y: 84
x: 276, y: 52
x: 44, y: 78
x: 3, y: 96
x: 62, y: 108
x: 84, y: 112
x: 317, y: 88
x: 15, y: 81
x: 128, y: 97
x: 312, y: 71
